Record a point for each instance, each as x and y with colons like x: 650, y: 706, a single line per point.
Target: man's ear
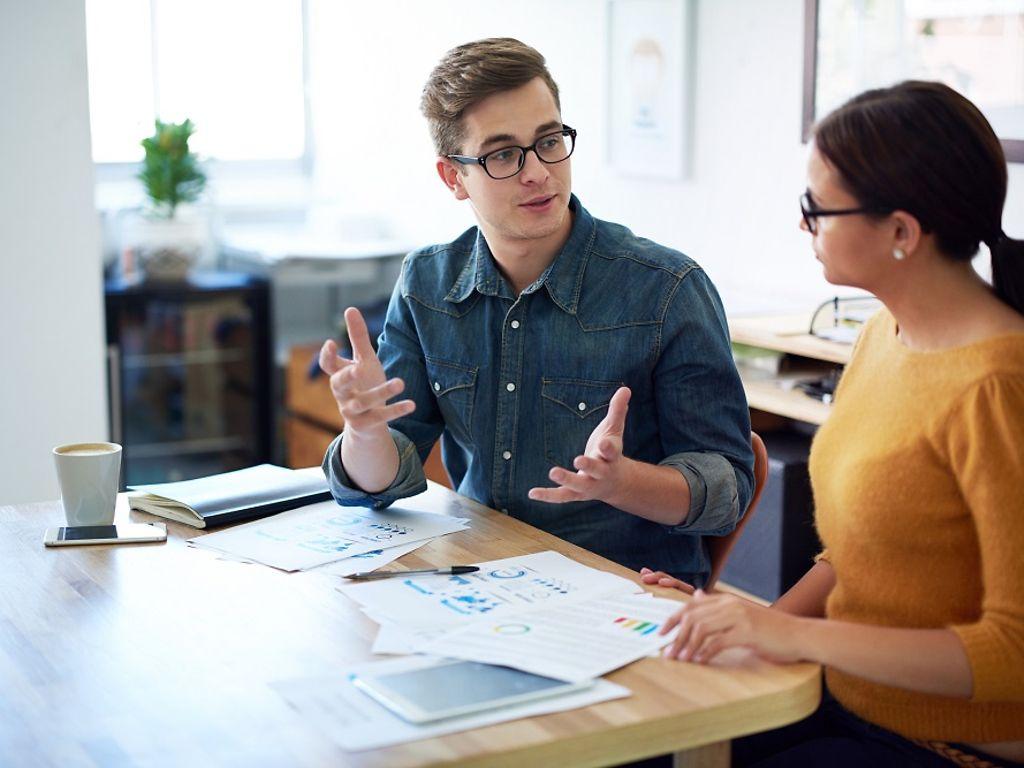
x: 907, y: 233
x: 452, y: 176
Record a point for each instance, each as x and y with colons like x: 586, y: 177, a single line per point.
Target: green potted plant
x: 168, y: 238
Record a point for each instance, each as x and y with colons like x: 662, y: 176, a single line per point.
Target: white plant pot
x: 165, y: 249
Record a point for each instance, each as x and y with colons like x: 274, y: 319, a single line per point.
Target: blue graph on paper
x: 418, y: 588
x: 471, y: 604
x: 508, y: 573
x: 327, y: 544
x: 370, y: 554
x: 482, y: 593
x: 344, y: 520
x: 460, y: 597
x: 554, y: 586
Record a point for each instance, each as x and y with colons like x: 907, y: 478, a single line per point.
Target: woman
x: 916, y: 606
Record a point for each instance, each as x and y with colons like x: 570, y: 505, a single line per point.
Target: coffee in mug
x: 89, y: 475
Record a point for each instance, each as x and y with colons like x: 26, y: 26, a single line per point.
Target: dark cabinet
x: 189, y: 375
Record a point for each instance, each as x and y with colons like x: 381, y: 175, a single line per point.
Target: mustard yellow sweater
x: 918, y: 480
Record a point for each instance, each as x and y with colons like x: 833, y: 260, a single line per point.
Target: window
x: 235, y: 68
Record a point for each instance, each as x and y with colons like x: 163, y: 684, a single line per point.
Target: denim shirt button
x: 510, y: 387
x: 506, y: 455
x: 582, y: 406
x: 437, y: 387
x: 514, y: 323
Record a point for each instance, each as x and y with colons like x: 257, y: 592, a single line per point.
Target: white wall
x: 737, y: 211
x: 52, y: 385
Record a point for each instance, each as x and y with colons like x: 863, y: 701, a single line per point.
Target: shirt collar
x: 562, y: 279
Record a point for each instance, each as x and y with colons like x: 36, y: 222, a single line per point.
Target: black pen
x: 452, y: 570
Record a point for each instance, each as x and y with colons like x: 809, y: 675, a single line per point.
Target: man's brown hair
x: 469, y: 74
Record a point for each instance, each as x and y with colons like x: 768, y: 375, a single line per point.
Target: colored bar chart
x: 637, y: 625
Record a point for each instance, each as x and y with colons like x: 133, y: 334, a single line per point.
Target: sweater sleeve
x: 986, y: 447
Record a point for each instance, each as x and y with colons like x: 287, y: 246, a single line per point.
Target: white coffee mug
x: 89, y: 475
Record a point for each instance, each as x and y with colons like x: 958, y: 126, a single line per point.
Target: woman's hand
x: 662, y: 579
x: 711, y: 623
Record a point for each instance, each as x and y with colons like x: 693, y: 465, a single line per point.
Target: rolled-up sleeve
x: 401, y: 354
x: 702, y: 409
x: 409, y: 481
x: 714, y: 492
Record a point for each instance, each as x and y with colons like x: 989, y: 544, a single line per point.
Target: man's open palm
x: 599, y: 468
x: 360, y: 385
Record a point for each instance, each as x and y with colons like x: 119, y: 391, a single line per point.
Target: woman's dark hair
x: 923, y: 148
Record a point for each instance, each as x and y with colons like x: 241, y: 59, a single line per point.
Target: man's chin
x: 536, y: 232
x: 534, y: 227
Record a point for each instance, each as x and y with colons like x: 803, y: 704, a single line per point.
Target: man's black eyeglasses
x: 811, y: 213
x: 508, y: 161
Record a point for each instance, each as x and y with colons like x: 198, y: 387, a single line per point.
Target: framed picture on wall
x: 649, y: 81
x: 974, y: 46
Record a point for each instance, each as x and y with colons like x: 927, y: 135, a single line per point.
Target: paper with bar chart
x: 570, y: 641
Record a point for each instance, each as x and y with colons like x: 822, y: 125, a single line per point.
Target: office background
x: 735, y: 211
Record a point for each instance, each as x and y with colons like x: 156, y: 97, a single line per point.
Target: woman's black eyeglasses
x: 508, y: 161
x: 811, y: 213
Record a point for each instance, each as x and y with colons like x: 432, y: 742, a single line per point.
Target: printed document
x: 434, y: 601
x: 324, y: 532
x: 368, y: 561
x: 569, y: 641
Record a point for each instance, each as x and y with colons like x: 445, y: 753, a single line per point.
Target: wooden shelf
x: 787, y: 333
x: 766, y: 395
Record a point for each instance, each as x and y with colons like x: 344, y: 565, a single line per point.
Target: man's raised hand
x: 359, y: 385
x: 599, y: 470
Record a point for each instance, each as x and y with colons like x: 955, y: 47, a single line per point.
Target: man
x: 524, y: 343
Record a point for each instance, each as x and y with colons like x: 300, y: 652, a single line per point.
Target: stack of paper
x: 326, y: 533
x: 571, y: 641
x: 542, y: 613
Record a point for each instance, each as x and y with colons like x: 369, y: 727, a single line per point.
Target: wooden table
x: 166, y: 655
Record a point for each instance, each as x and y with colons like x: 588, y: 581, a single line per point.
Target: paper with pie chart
x: 570, y: 641
x: 435, y: 602
x: 322, y: 533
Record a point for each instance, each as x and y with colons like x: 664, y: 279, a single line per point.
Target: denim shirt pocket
x: 571, y: 409
x: 454, y: 388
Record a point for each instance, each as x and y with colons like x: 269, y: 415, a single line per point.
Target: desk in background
x: 778, y: 545
x: 167, y: 655
x: 313, y: 276
x: 786, y: 334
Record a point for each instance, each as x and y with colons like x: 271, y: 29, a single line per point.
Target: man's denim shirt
x: 515, y: 386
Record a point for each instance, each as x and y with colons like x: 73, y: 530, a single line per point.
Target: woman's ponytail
x: 1008, y: 270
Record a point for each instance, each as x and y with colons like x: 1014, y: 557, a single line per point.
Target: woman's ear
x: 906, y: 232
x: 452, y: 176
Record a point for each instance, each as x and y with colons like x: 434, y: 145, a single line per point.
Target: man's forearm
x: 653, y: 492
x: 370, y: 459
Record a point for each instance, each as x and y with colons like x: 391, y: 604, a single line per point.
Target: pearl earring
x: 899, y: 254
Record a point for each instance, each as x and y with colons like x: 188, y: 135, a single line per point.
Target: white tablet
x: 451, y: 688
